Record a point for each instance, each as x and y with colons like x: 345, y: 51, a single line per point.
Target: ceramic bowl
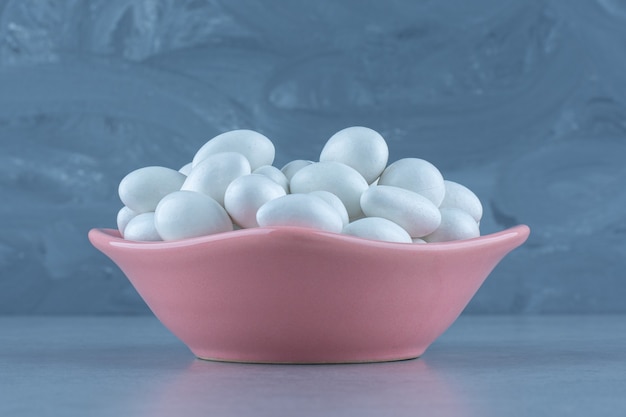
x: 295, y: 295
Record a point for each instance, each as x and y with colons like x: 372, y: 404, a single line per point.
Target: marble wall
x: 521, y: 100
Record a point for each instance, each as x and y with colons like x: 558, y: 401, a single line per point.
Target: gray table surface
x: 482, y: 366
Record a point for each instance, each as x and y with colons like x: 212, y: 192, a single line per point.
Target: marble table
x: 482, y: 366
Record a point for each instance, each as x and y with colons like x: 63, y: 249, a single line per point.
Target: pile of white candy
x: 231, y: 183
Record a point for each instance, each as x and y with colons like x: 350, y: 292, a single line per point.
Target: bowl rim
x: 113, y: 237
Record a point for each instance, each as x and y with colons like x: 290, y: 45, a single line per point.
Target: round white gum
x: 359, y: 147
x: 455, y: 224
x: 417, y: 175
x: 274, y: 174
x: 300, y: 210
x: 412, y: 211
x: 142, y: 228
x: 290, y: 168
x: 334, y: 202
x: 256, y: 147
x: 377, y: 228
x: 185, y: 169
x: 123, y: 217
x: 186, y: 214
x: 461, y: 197
x: 215, y: 173
x: 340, y: 179
x: 142, y: 189
x: 246, y: 194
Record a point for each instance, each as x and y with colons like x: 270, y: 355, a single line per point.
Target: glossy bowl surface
x: 295, y: 295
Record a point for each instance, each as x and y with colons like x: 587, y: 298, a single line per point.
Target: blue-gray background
x: 523, y: 101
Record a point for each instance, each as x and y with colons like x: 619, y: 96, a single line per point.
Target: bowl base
x: 342, y: 362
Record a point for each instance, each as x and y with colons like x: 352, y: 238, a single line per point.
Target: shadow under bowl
x: 296, y: 295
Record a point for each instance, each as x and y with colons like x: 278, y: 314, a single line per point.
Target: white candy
x: 455, y: 224
x: 257, y: 148
x: 343, y: 181
x: 413, y: 212
x: 294, y: 166
x: 231, y: 184
x: 461, y: 197
x: 185, y: 214
x: 215, y: 173
x: 246, y: 194
x: 359, y: 147
x: 334, y: 202
x: 274, y: 174
x: 142, y: 189
x: 415, y: 175
x: 185, y: 169
x: 141, y: 227
x: 377, y: 228
x: 123, y: 217
x: 300, y: 210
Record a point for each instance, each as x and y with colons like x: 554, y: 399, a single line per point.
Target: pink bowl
x: 294, y: 295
